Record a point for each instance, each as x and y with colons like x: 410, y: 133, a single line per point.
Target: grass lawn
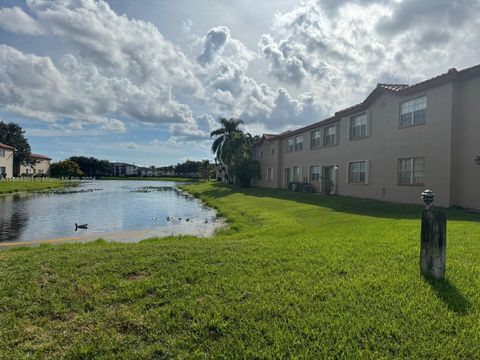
x: 295, y: 276
x: 178, y: 179
x: 33, y: 185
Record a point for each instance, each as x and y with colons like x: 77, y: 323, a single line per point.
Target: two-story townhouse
x: 6, y: 161
x: 40, y: 166
x: 398, y: 141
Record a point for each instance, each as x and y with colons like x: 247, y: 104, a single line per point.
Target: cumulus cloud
x: 340, y: 50
x: 198, y: 130
x: 427, y: 15
x: 231, y: 92
x: 121, y: 67
x: 214, y: 43
x: 18, y: 21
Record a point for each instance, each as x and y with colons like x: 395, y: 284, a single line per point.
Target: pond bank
x: 18, y: 186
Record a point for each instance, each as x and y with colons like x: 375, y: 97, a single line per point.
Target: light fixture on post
x: 428, y: 196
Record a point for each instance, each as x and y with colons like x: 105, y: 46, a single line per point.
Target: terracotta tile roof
x: 38, y: 156
x: 8, y: 147
x: 393, y: 87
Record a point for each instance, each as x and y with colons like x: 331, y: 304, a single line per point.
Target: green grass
x: 166, y: 178
x: 295, y: 276
x: 33, y: 185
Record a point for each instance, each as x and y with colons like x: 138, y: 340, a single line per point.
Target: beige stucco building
x: 41, y: 167
x: 6, y: 161
x: 400, y: 140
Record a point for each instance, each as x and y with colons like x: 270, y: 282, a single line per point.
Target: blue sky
x: 145, y: 81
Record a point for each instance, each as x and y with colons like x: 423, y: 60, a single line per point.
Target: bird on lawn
x: 82, y: 226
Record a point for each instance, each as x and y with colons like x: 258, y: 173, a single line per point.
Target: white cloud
x: 214, y: 43
x: 131, y: 146
x: 121, y: 67
x: 18, y: 21
x: 340, y: 50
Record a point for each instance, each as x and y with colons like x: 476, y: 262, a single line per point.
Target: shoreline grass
x: 293, y: 276
x: 7, y: 187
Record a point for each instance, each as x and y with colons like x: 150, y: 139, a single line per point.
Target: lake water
x: 113, y: 209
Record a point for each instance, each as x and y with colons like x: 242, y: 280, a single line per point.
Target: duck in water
x: 82, y: 226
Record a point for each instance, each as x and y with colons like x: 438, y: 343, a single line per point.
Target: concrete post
x: 433, y: 244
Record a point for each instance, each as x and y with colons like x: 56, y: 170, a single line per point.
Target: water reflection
x: 107, y: 207
x: 12, y: 222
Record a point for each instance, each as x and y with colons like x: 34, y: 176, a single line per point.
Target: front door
x: 327, y: 179
x: 287, y: 178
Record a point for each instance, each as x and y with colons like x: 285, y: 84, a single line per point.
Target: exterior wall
x: 466, y: 144
x: 267, y: 160
x: 131, y: 170
x: 41, y: 167
x: 7, y: 163
x: 385, y: 144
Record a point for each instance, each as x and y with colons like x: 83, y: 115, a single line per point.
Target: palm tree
x: 223, y: 146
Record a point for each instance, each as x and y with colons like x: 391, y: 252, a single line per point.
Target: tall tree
x: 223, y: 146
x: 12, y: 134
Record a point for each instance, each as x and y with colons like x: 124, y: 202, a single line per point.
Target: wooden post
x: 433, y: 244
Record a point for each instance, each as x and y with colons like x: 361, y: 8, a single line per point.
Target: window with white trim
x: 358, y: 172
x: 290, y: 144
x: 315, y: 173
x: 330, y: 135
x: 2, y: 152
x: 299, y: 143
x: 413, y: 112
x: 269, y: 174
x: 358, y: 126
x: 316, y: 139
x: 271, y: 149
x: 411, y: 171
x: 297, y: 176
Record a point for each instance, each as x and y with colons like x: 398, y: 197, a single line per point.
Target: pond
x: 118, y: 210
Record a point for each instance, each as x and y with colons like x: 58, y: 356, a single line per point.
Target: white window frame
x: 290, y: 144
x: 367, y: 172
x: 299, y: 144
x: 350, y: 128
x: 319, y: 139
x: 412, y: 104
x: 319, y: 173
x: 412, y: 171
x: 325, y: 135
x: 3, y: 153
